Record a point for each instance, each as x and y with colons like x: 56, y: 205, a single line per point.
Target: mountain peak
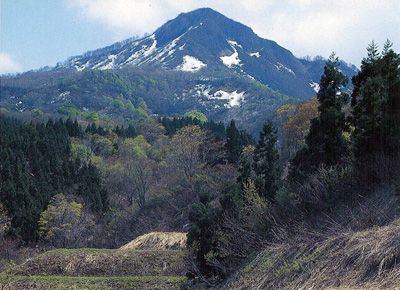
x: 203, y: 41
x: 203, y: 12
x: 187, y: 20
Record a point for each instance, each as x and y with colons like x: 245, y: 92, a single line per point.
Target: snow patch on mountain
x: 234, y: 43
x: 234, y: 98
x: 191, y: 64
x: 82, y: 67
x: 314, y: 86
x: 107, y: 64
x: 202, y: 90
x: 231, y: 99
x: 139, y: 56
x: 255, y: 54
x: 233, y: 59
x: 282, y: 67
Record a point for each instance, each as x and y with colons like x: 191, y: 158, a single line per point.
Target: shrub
x: 323, y: 189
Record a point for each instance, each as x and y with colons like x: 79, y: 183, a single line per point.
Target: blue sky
x: 35, y: 33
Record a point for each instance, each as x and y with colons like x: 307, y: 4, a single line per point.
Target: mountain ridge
x: 205, y: 40
x: 200, y: 60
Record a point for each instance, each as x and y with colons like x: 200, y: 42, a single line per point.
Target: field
x: 88, y: 268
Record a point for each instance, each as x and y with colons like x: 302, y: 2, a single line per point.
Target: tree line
x: 36, y: 164
x: 353, y: 137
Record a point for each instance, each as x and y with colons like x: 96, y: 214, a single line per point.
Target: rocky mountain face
x: 200, y: 60
x: 204, y: 41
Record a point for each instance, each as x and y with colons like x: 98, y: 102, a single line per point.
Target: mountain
x: 206, y: 41
x: 200, y: 60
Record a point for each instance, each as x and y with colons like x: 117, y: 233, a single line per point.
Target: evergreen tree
x: 246, y: 165
x: 201, y: 235
x: 130, y: 132
x: 35, y: 165
x: 376, y: 104
x: 265, y: 163
x: 233, y: 143
x: 325, y: 143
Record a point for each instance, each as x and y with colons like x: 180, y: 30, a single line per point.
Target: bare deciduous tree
x: 184, y: 150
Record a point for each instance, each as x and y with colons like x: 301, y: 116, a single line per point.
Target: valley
x: 201, y: 156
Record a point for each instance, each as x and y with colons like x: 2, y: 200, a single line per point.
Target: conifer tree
x: 245, y: 167
x: 376, y: 104
x: 325, y: 143
x: 265, y: 165
x: 233, y: 143
x: 201, y: 235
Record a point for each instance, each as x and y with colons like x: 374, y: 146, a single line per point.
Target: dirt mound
x: 158, y: 241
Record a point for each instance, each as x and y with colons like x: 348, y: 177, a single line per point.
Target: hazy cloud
x: 8, y: 64
x: 306, y: 27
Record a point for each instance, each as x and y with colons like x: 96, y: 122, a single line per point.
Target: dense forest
x: 79, y: 182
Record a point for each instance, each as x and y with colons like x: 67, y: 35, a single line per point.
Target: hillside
x: 206, y: 42
x: 357, y: 252
x: 202, y: 156
x: 153, y: 268
x: 119, y: 93
x: 200, y: 60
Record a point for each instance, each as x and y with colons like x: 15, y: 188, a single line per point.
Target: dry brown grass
x: 360, y: 250
x: 104, y: 262
x: 158, y: 241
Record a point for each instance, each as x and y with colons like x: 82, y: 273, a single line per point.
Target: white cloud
x: 8, y: 64
x: 306, y: 27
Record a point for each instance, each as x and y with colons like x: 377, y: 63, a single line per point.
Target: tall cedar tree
x: 233, y: 143
x: 266, y: 163
x: 325, y: 143
x: 202, y: 230
x: 376, y: 104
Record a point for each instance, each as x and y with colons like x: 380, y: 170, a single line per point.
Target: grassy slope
x: 344, y: 258
x: 99, y: 269
x: 103, y: 262
x: 65, y: 282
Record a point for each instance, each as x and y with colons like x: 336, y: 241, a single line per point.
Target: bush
x: 4, y: 221
x: 323, y: 189
x: 65, y: 223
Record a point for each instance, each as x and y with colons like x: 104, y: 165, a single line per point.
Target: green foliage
x: 196, y: 115
x: 231, y: 198
x: 266, y: 167
x: 246, y: 165
x: 69, y: 110
x: 73, y: 128
x: 325, y: 143
x: 137, y: 147
x: 83, y: 283
x: 202, y: 230
x: 63, y: 223
x: 81, y: 152
x: 36, y: 164
x: 171, y: 125
x: 376, y: 105
x: 91, y: 116
x: 102, y: 145
x: 251, y: 197
x: 4, y: 221
x: 129, y: 132
x: 233, y: 143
